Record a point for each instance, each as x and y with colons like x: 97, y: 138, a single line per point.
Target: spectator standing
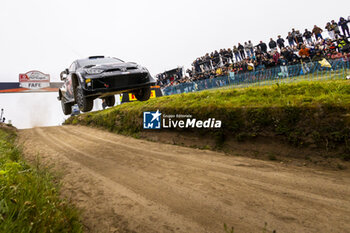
x: 344, y: 26
x: 308, y: 36
x: 207, y: 63
x: 330, y: 30
x: 179, y: 72
x: 290, y: 39
x: 247, y: 49
x: 335, y: 28
x: 293, y: 32
x: 276, y: 56
x: 282, y: 62
x: 272, y: 45
x: 196, y: 66
x: 222, y: 55
x: 251, y: 46
x: 317, y: 32
x: 263, y: 47
x: 299, y: 37
x: 229, y: 55
x: 304, y: 53
x: 241, y: 50
x: 236, y: 53
x: 216, y: 59
x: 280, y: 42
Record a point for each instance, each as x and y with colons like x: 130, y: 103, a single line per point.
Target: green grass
x: 302, y: 114
x: 29, y: 200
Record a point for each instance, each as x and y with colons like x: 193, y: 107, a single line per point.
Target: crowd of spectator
x: 294, y: 49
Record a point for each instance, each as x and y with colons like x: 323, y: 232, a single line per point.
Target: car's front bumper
x: 114, y: 83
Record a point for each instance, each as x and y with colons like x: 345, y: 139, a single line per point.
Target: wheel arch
x: 76, y: 80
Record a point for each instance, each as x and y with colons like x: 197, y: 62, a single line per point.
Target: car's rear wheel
x: 85, y: 104
x: 110, y: 101
x: 143, y: 94
x: 66, y: 107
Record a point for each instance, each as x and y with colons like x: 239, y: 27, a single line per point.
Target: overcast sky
x: 47, y: 35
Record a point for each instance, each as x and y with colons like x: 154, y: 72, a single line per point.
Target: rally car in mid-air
x: 102, y: 77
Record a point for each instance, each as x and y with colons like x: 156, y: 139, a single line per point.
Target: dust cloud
x: 29, y: 110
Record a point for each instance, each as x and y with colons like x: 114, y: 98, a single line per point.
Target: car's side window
x: 72, y: 67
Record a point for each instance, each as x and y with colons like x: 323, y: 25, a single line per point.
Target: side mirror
x: 64, y: 74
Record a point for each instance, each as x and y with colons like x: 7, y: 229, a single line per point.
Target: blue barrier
x: 261, y: 77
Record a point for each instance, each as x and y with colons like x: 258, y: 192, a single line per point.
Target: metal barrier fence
x: 264, y: 77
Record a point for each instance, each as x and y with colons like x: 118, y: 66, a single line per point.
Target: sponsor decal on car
x: 133, y: 98
x: 155, y: 120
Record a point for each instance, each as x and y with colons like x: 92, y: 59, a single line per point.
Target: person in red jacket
x: 304, y: 52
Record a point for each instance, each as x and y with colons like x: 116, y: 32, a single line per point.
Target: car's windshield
x: 98, y: 61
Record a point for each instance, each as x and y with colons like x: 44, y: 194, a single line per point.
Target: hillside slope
x: 308, y: 115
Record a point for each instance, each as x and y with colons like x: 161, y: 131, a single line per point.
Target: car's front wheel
x: 85, y: 104
x: 143, y: 94
x: 66, y: 107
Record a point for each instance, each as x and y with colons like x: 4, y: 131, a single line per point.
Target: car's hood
x: 114, y: 66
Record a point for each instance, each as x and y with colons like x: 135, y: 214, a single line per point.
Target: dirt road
x: 129, y: 185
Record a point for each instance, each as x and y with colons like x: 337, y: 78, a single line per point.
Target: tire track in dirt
x: 219, y: 174
x: 92, y: 163
x: 135, y: 185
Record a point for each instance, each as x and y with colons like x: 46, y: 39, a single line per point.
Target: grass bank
x: 29, y: 200
x: 309, y: 114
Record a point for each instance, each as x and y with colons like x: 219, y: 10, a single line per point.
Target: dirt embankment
x: 309, y: 120
x: 128, y: 185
